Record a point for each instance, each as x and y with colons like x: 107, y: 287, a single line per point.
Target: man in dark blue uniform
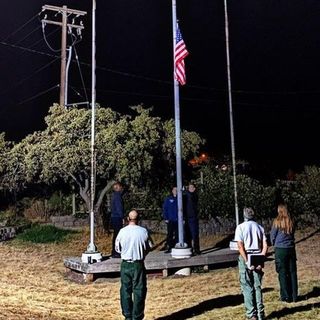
x: 170, y: 216
x: 117, y: 214
x: 191, y: 216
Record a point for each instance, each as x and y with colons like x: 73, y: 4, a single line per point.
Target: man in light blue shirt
x: 251, y: 240
x: 133, y: 243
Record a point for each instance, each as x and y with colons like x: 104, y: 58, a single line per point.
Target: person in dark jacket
x: 282, y: 238
x: 191, y: 217
x: 117, y: 214
x: 170, y: 216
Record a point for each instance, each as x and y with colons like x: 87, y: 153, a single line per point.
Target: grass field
x: 33, y: 286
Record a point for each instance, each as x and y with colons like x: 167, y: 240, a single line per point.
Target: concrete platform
x: 155, y: 261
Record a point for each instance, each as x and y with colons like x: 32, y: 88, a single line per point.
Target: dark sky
x: 275, y: 54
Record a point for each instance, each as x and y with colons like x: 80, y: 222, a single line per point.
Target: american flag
x: 180, y: 53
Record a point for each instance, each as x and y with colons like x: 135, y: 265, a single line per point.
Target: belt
x: 132, y: 261
x: 253, y: 251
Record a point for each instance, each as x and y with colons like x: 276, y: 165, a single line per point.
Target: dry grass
x: 33, y: 287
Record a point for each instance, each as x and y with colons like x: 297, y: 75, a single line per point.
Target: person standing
x: 133, y: 243
x: 191, y: 215
x: 251, y: 240
x: 170, y: 216
x: 117, y: 214
x: 282, y: 238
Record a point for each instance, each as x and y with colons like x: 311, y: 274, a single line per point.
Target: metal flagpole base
x: 91, y: 257
x: 181, y: 251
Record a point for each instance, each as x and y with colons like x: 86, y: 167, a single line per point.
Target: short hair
x: 133, y: 215
x: 248, y: 213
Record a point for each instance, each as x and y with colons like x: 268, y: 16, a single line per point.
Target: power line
x: 30, y: 33
x: 28, y: 77
x: 207, y: 101
x: 46, y: 41
x: 29, y: 50
x: 126, y: 74
x: 168, y: 82
x: 49, y: 35
x: 77, y: 92
x: 81, y: 75
x: 38, y: 95
x: 21, y: 27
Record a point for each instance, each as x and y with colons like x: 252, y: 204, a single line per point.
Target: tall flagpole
x: 181, y: 249
x: 231, y: 115
x: 92, y: 255
x: 177, y: 130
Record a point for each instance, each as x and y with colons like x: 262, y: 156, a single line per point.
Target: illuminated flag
x: 180, y: 53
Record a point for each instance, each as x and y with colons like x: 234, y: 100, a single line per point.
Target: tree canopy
x: 4, y: 149
x: 129, y: 148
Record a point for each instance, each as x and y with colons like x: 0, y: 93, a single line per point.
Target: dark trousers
x: 193, y: 233
x: 286, y: 266
x: 172, y: 234
x: 133, y: 289
x: 117, y: 224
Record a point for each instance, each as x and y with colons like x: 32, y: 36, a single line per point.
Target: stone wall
x: 221, y: 225
x: 7, y: 233
x: 68, y: 222
x: 216, y: 225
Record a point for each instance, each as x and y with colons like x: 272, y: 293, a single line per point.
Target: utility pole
x: 66, y: 14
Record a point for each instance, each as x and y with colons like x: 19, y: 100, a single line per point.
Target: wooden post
x: 64, y: 25
x: 63, y: 56
x: 165, y: 273
x: 88, y: 277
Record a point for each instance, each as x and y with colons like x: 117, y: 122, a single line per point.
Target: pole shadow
x: 309, y: 236
x: 158, y: 245
x: 215, y: 303
x: 287, y: 311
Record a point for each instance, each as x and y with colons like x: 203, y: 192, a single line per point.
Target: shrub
x: 59, y: 204
x: 7, y: 215
x: 216, y: 197
x: 147, y: 201
x: 44, y: 234
x: 303, y: 195
x: 36, y: 211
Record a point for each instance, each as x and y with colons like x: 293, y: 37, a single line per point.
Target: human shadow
x: 265, y: 290
x: 224, y: 243
x: 215, y: 303
x: 287, y: 311
x: 312, y: 294
x: 308, y: 236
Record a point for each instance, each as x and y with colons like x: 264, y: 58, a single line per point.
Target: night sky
x: 275, y: 54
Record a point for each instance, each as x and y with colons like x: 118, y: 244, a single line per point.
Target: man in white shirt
x: 251, y: 240
x: 132, y: 243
